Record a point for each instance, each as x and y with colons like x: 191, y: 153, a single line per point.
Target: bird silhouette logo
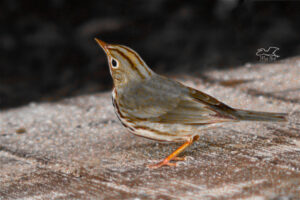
x: 267, y: 55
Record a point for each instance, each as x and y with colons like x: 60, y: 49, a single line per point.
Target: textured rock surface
x: 76, y: 148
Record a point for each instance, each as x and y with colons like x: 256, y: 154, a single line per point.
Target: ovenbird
x: 159, y: 108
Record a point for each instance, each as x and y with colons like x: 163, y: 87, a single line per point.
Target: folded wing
x: 197, y: 108
x: 167, y: 101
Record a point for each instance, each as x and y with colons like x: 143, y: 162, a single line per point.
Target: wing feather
x: 167, y: 101
x: 189, y: 111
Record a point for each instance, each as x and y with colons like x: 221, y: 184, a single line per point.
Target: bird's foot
x: 162, y: 163
x: 166, y: 162
x: 173, y: 156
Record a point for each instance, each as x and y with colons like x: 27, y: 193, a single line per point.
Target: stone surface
x: 77, y: 149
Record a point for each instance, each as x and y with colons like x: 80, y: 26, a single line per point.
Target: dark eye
x: 114, y: 63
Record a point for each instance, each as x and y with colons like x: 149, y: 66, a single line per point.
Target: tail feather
x: 261, y: 116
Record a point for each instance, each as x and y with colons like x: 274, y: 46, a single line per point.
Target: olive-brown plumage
x: 163, y: 109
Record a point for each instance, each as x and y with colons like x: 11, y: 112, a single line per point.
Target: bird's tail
x: 261, y: 116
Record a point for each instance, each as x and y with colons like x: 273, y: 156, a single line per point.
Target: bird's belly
x: 155, y: 131
x: 159, y: 131
x: 165, y: 132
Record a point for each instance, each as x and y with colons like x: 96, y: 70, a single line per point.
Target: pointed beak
x: 103, y: 45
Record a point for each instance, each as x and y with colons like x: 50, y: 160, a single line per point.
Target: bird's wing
x: 171, y: 102
x: 197, y: 108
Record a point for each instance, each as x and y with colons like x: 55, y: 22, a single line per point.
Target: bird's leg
x: 173, y: 156
x: 167, y: 160
x: 183, y: 158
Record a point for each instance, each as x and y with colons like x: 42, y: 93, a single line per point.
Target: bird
x: 162, y: 109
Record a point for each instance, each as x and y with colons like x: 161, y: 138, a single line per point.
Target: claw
x: 160, y: 164
x: 166, y: 163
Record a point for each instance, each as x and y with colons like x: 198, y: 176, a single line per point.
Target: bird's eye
x: 114, y: 63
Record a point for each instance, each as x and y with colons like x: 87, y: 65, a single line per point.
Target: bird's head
x: 125, y: 64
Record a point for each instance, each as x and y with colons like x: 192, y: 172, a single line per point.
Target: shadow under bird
x: 159, y: 108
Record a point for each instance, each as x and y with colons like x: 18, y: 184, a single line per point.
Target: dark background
x: 47, y: 50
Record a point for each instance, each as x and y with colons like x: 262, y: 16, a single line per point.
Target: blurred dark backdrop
x: 47, y: 49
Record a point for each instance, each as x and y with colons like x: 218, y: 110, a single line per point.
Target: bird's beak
x: 103, y: 45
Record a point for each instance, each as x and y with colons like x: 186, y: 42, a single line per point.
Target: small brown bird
x: 162, y: 109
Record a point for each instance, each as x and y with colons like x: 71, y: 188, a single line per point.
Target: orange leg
x: 173, y: 156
